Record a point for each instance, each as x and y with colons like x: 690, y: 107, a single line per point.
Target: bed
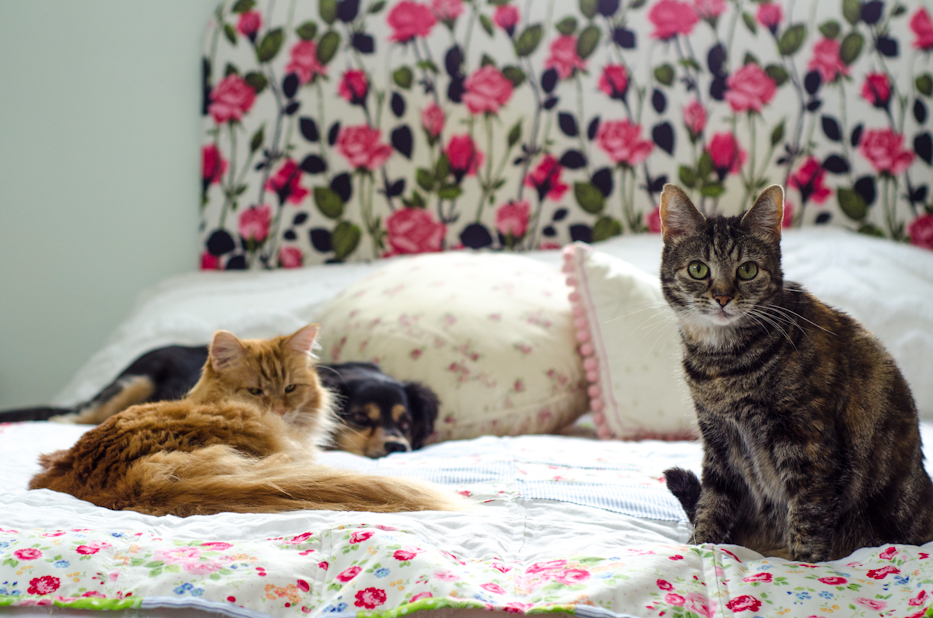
x: 558, y: 523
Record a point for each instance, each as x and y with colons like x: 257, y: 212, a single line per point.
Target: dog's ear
x: 423, y: 404
x: 333, y: 381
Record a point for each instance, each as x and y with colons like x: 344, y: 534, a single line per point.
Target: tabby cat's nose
x: 722, y: 299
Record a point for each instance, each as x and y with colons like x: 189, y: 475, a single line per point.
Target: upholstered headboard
x: 347, y: 130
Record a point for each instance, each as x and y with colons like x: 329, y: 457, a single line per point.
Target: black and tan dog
x: 379, y: 414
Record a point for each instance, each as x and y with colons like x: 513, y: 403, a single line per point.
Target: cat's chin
x: 713, y: 330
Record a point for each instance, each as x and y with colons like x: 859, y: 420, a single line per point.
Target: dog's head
x: 379, y: 414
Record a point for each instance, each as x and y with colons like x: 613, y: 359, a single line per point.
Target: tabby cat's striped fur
x: 810, y: 434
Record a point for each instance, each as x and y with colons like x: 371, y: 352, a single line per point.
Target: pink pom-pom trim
x: 587, y: 349
x: 594, y: 390
x: 591, y: 364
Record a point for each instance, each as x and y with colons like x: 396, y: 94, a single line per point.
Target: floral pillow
x: 490, y: 334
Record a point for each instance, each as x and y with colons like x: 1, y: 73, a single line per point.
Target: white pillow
x: 491, y: 334
x: 631, y: 347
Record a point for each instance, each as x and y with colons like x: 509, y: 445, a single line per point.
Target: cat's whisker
x: 646, y: 307
x: 794, y: 313
x: 771, y: 321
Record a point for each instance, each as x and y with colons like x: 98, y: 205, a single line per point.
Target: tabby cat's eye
x: 748, y: 270
x: 255, y: 391
x: 290, y: 388
x: 698, y: 270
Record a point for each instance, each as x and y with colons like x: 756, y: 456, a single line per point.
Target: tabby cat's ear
x: 766, y: 215
x: 225, y: 350
x: 303, y: 340
x: 679, y: 217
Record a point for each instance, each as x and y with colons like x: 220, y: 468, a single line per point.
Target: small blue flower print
x: 180, y: 590
x: 4, y: 544
x: 61, y: 564
x: 117, y: 535
x: 381, y: 572
x: 335, y: 609
x: 902, y: 580
x: 826, y: 594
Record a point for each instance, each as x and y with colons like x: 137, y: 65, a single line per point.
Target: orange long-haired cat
x: 243, y: 440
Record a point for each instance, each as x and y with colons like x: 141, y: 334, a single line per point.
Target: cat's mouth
x: 721, y: 316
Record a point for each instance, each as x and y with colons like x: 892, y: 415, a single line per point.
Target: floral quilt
x: 554, y: 529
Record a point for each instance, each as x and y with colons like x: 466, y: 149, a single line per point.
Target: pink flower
x: 653, y: 220
x: 87, y: 550
x: 809, y: 181
x: 614, y: 81
x: 464, y: 157
x: 749, y: 88
x: 249, y: 23
x: 414, y: 230
x: 287, y: 183
x: 833, y: 581
x: 563, y: 56
x: 304, y: 62
x: 622, y: 141
x: 370, y: 598
x: 550, y: 565
x: 447, y: 10
x: 512, y: 219
x: 446, y: 576
x: 291, y: 257
x: 572, y: 576
x: 770, y: 15
x: 354, y: 87
x: 361, y: 146
x: 410, y: 19
x: 700, y: 604
x: 883, y: 572
x: 94, y: 594
x: 674, y: 599
x: 826, y: 60
x: 230, y: 99
x: 726, y: 154
x: 254, y: 223
x: 27, y: 554
x: 432, y: 119
x: 695, y: 117
x: 404, y: 555
x: 921, y: 231
x: 217, y: 545
x: 871, y: 603
x: 546, y: 178
x: 919, y: 599
x: 303, y: 585
x: 496, y: 588
x: 877, y: 89
x: 922, y: 26
x: 758, y: 577
x: 744, y: 603
x: 43, y: 585
x: 664, y: 584
x: 506, y: 17
x: 884, y: 150
x: 709, y: 9
x: 359, y: 537
x: 213, y: 164
x: 421, y: 595
x: 671, y: 18
x: 323, y: 565
x: 208, y: 262
x: 486, y: 90
x: 348, y: 574
x: 516, y: 607
x: 300, y: 538
x: 888, y: 554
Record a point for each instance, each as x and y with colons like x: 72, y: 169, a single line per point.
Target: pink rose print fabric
x: 342, y: 118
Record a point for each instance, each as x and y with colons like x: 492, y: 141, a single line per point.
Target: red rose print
x: 674, y: 599
x: 249, y: 23
x: 287, y: 183
x: 550, y: 565
x: 512, y: 219
x: 744, y: 603
x: 726, y: 154
x: 421, y: 595
x: 883, y: 572
x: 833, y: 581
x: 464, y: 157
x: 922, y: 26
x: 749, y: 88
x: 213, y: 164
x: 303, y: 585
x: 410, y: 19
x: 348, y: 574
x: 919, y: 599
x: 921, y: 231
x: 709, y: 9
x: 770, y: 15
x: 758, y: 577
x: 546, y: 178
x: 888, y: 554
x: 877, y: 89
x: 695, y: 117
x: 447, y: 10
x: 254, y: 223
x: 403, y: 555
x: 614, y: 81
x: 653, y: 220
x: 517, y: 608
x: 572, y: 576
x: 622, y: 141
x: 323, y: 565
x: 665, y: 585
x: 884, y: 149
x: 86, y: 550
x: 563, y: 56
x: 359, y: 537
x: 432, y: 119
x: 43, y: 585
x: 217, y: 545
x: 496, y: 588
x: 361, y: 146
x: 291, y: 257
x: 354, y: 87
x: 826, y: 60
x: 300, y: 538
x: 506, y: 17
x: 230, y: 99
x: 27, y: 554
x: 208, y: 262
x: 414, y: 230
x: 671, y: 18
x: 809, y: 180
x: 486, y: 90
x: 370, y: 598
x: 871, y: 603
x: 304, y: 62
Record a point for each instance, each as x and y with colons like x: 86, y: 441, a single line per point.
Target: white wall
x: 99, y: 173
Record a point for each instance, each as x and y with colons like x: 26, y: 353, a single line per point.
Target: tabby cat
x: 243, y: 440
x: 811, y: 444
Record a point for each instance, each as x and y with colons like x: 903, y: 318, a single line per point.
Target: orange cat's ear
x: 225, y: 350
x: 679, y: 217
x: 767, y: 214
x: 304, y: 339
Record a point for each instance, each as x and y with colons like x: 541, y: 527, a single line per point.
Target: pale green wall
x: 99, y: 173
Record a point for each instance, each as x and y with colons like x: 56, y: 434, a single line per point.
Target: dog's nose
x: 396, y: 447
